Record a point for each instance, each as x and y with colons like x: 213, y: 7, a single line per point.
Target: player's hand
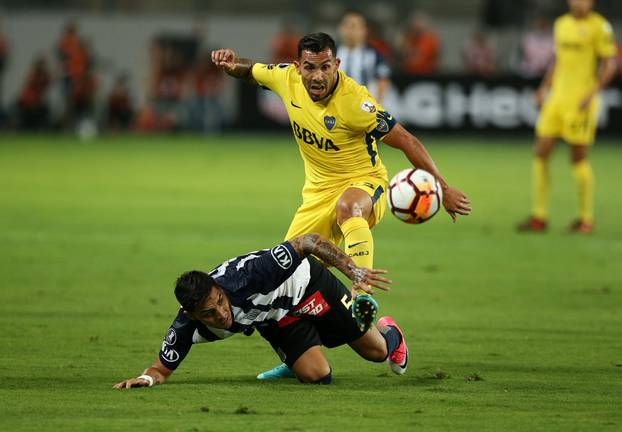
x: 364, y: 279
x: 224, y: 59
x: 540, y: 96
x: 456, y: 202
x: 132, y: 382
x: 585, y: 102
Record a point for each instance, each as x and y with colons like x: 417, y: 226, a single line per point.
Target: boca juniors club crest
x: 382, y: 126
x: 329, y: 122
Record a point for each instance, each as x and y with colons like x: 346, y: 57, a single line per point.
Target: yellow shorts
x: 563, y: 118
x: 317, y: 213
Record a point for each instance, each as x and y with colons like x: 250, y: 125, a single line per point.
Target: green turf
x: 93, y: 235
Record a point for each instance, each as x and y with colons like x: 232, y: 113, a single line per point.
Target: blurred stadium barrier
x: 443, y: 103
x: 120, y: 44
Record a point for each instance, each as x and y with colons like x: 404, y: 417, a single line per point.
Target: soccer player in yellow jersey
x: 337, y: 126
x: 584, y: 64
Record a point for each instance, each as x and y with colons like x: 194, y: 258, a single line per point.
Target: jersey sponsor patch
x: 282, y: 256
x: 169, y: 354
x: 171, y: 337
x: 315, y: 305
x: 313, y: 139
x: 368, y: 107
x: 252, y: 314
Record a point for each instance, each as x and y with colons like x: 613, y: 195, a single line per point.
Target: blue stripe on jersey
x: 377, y: 194
x: 369, y: 139
x: 384, y: 123
x: 363, y: 64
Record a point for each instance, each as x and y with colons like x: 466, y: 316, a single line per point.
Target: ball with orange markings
x: 414, y: 196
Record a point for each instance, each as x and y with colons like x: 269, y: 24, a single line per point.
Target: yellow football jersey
x: 338, y: 140
x: 579, y: 43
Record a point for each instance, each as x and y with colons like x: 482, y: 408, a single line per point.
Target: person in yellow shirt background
x: 568, y: 95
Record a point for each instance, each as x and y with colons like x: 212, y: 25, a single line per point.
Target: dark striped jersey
x: 262, y: 286
x: 363, y: 64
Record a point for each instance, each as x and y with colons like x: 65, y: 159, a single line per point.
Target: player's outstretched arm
x: 156, y: 374
x: 454, y: 200
x: 362, y: 278
x: 227, y: 60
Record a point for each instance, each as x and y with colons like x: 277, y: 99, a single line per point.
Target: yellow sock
x: 541, y: 189
x: 585, y: 189
x: 358, y: 241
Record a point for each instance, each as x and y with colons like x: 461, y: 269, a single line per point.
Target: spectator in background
x: 168, y: 88
x: 32, y: 109
x: 359, y: 60
x: 164, y: 110
x: 70, y: 55
x: 376, y: 41
x: 479, y: 55
x: 284, y: 44
x: 4, y: 50
x: 284, y: 50
x: 620, y: 58
x: 82, y: 99
x: 119, y: 106
x: 78, y: 75
x: 420, y: 48
x: 206, y: 85
x: 4, y: 55
x: 536, y: 49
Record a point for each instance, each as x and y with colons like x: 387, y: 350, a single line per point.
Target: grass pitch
x: 506, y: 331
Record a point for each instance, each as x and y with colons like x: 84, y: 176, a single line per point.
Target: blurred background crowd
x: 118, y: 65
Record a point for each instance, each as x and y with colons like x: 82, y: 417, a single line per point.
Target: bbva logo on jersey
x: 282, y: 256
x: 311, y: 138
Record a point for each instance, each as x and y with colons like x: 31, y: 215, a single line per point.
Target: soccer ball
x: 414, y: 196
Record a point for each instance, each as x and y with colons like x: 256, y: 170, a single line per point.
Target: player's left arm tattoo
x: 227, y: 60
x: 315, y: 244
x: 242, y: 69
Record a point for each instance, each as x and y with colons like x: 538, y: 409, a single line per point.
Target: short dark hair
x: 354, y: 12
x: 192, y: 288
x: 316, y: 42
